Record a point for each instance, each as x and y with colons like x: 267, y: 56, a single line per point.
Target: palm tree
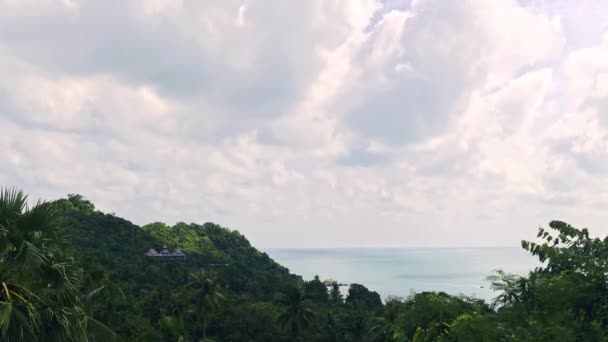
x: 297, y: 314
x: 97, y: 302
x: 39, y: 286
x: 329, y: 329
x: 512, y: 288
x: 173, y: 328
x: 355, y: 324
x: 205, y: 296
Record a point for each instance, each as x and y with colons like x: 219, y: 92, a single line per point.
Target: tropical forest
x: 72, y: 273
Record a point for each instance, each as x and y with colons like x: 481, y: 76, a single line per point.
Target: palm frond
x: 42, y: 217
x: 93, y: 293
x: 28, y: 254
x: 101, y: 330
x: 12, y: 204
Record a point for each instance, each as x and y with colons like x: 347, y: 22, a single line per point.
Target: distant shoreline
x: 387, y: 248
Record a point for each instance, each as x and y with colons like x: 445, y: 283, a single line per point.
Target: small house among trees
x: 165, y: 256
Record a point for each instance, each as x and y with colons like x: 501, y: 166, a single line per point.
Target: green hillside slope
x: 71, y: 273
x: 114, y: 248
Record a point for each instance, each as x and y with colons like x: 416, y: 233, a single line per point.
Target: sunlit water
x: 396, y: 271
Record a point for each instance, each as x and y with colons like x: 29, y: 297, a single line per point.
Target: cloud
x: 362, y: 157
x: 311, y: 122
x: 417, y: 68
x: 582, y: 133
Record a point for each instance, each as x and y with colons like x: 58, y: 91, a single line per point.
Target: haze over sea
x: 399, y: 271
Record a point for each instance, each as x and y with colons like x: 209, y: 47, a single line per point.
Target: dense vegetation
x: 71, y: 273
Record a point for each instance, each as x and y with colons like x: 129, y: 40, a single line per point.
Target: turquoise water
x: 398, y: 272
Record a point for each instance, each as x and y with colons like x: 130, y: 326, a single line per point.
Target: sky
x: 313, y: 123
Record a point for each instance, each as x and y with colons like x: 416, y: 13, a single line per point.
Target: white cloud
x: 362, y: 122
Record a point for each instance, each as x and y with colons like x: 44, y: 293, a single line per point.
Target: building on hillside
x: 165, y: 256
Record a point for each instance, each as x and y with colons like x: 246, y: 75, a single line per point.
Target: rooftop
x: 165, y: 254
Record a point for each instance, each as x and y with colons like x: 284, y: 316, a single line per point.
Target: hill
x: 69, y: 272
x: 114, y: 249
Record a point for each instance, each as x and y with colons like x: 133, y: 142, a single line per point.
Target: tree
x: 57, y: 289
x: 573, y: 279
x: 335, y: 296
x: 39, y: 293
x: 252, y: 322
x: 566, y: 298
x: 428, y: 314
x: 387, y: 327
x: 330, y: 329
x: 80, y: 203
x: 297, y: 314
x: 205, y: 298
x: 511, y: 288
x: 359, y: 295
x: 173, y: 328
x: 98, y: 304
x: 355, y: 324
x: 316, y: 290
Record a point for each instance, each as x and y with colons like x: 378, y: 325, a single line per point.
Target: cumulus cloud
x: 418, y: 67
x: 312, y: 123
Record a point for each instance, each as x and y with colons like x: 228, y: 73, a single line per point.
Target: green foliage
x: 71, y: 273
x: 39, y: 295
x: 252, y: 321
x: 335, y: 296
x: 142, y: 300
x: 360, y: 296
x: 433, y: 312
x: 297, y: 313
x: 204, y: 297
x: 316, y: 291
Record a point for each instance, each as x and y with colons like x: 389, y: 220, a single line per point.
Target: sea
x: 403, y: 271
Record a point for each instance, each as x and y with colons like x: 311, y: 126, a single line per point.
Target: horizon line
x: 394, y: 247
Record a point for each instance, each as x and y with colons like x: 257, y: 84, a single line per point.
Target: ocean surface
x: 399, y: 271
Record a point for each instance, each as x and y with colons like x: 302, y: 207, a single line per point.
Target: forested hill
x: 71, y: 273
x: 115, y: 247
